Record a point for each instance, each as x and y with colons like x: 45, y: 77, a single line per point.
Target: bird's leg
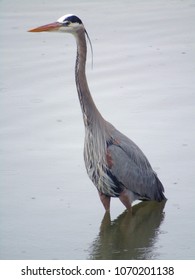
x: 125, y: 199
x: 105, y: 201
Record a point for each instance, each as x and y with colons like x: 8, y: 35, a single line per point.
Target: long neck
x: 89, y: 110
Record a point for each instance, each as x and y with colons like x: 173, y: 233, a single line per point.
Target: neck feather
x: 89, y: 110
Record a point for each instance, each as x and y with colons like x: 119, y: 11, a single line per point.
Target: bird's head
x: 67, y: 24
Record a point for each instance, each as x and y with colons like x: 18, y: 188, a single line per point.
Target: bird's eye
x: 67, y: 23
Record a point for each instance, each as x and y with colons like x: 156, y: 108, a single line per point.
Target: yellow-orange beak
x: 48, y: 27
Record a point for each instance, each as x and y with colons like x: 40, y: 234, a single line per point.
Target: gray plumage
x: 114, y: 163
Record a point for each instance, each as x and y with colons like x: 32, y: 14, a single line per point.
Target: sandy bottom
x: 143, y: 82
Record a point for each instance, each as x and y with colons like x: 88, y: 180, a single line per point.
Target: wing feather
x: 133, y: 170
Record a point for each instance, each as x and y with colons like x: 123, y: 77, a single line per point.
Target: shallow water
x: 130, y: 236
x: 143, y: 84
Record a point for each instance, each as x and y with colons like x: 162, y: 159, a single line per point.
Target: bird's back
x: 133, y: 169
x: 117, y: 163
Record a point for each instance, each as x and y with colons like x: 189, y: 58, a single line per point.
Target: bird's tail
x: 159, y: 194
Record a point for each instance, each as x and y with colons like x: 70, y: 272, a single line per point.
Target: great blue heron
x: 114, y: 163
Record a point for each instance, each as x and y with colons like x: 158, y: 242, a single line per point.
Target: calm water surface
x: 130, y: 236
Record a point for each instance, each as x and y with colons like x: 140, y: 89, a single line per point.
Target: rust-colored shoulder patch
x: 116, y: 142
x: 109, y: 159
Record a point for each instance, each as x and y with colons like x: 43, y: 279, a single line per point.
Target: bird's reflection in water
x: 130, y: 236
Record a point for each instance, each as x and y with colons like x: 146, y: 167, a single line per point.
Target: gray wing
x: 131, y: 168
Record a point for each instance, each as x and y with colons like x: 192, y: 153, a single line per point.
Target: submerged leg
x: 126, y: 199
x: 105, y: 201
